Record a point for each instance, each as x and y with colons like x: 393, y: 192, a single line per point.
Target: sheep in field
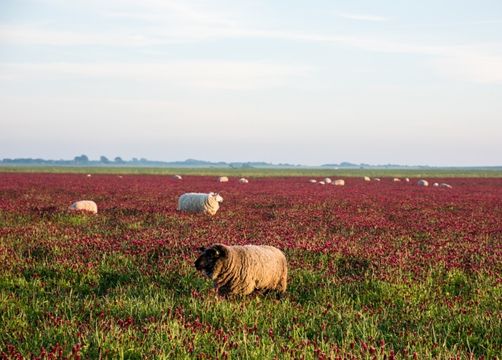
x: 84, y: 205
x: 199, y: 203
x: 422, y: 182
x: 339, y: 182
x: 435, y: 184
x: 397, y: 179
x: 407, y: 180
x: 240, y: 270
x: 322, y: 183
x: 445, y: 185
x: 177, y: 177
x: 223, y: 179
x: 312, y: 181
x: 376, y: 179
x: 243, y: 180
x: 367, y: 178
x: 327, y: 180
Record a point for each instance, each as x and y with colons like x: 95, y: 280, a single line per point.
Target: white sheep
x: 367, y: 178
x: 322, y: 183
x: 243, y: 180
x: 445, y: 185
x: 177, y: 177
x: 397, y: 180
x: 200, y: 203
x: 85, y: 206
x: 422, y: 182
x: 312, y: 181
x: 327, y: 180
x: 435, y: 184
x: 377, y: 179
x: 223, y: 179
x: 339, y: 182
x: 407, y: 180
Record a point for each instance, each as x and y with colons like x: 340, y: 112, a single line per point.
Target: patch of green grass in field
x: 260, y: 172
x: 115, y: 310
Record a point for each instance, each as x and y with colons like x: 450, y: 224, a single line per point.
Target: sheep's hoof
x: 280, y: 296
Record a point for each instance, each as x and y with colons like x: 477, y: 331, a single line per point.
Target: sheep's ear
x: 220, y: 250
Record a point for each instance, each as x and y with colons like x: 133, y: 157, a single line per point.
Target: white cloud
x: 225, y: 75
x: 363, y: 17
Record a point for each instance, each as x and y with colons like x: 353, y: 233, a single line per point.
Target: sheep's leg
x: 283, y: 283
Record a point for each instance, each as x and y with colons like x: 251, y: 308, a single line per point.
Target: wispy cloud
x: 225, y: 75
x: 363, y: 17
x: 175, y: 21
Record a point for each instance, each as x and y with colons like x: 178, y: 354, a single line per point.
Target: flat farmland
x: 377, y: 270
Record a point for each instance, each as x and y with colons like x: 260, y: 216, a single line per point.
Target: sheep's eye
x: 212, y: 253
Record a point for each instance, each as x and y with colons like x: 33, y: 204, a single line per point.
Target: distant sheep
x: 367, y: 178
x: 377, y: 179
x: 327, y: 181
x: 445, y: 185
x: 177, y: 177
x: 339, y: 182
x: 223, y: 179
x: 322, y: 183
x: 435, y: 184
x: 312, y: 181
x: 84, y: 205
x: 407, y: 180
x: 88, y: 175
x: 397, y: 180
x: 240, y: 270
x: 243, y: 180
x: 199, y: 203
x: 422, y: 182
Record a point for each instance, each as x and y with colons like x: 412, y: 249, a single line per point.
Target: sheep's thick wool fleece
x: 251, y: 267
x: 84, y: 205
x: 198, y: 202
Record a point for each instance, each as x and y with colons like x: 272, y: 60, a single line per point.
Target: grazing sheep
x: 322, y: 183
x: 199, y: 203
x: 397, y: 180
x: 243, y: 180
x: 177, y: 177
x: 223, y: 179
x: 339, y: 182
x: 422, y: 182
x: 313, y: 181
x: 240, y: 270
x: 88, y: 175
x: 367, y: 178
x: 435, y: 184
x: 445, y: 185
x: 376, y: 179
x: 407, y: 180
x: 84, y: 205
x: 327, y: 181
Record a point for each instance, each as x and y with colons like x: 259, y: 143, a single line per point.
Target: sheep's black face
x: 208, y: 260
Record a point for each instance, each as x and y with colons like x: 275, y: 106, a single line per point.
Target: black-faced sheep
x: 240, y: 270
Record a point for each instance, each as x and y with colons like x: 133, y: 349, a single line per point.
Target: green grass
x: 255, y: 172
x: 115, y: 310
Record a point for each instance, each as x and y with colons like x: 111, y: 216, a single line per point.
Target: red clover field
x: 377, y: 270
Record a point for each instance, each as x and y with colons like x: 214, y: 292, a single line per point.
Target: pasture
x: 376, y: 270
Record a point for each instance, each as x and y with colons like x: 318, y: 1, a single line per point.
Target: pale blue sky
x: 312, y: 82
